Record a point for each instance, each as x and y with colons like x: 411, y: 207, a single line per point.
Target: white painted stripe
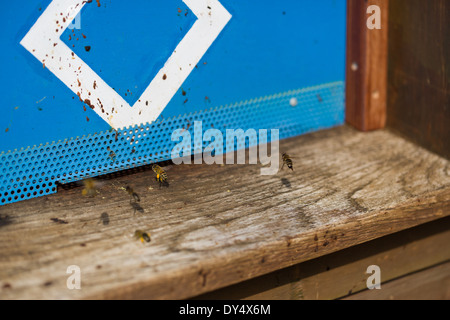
x: 43, y: 41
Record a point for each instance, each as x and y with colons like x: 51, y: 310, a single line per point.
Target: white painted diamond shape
x: 43, y: 41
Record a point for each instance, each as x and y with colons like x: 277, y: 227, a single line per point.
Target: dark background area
x: 419, y: 72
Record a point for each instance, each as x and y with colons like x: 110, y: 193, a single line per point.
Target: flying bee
x: 133, y: 195
x: 287, y: 161
x: 90, y: 188
x: 161, y: 175
x: 142, y: 235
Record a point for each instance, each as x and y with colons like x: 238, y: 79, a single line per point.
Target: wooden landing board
x: 344, y: 273
x: 219, y: 225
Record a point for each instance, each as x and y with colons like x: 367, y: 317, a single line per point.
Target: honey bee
x: 287, y: 161
x: 112, y: 155
x: 133, y: 195
x: 90, y: 188
x: 142, y: 235
x: 161, y: 175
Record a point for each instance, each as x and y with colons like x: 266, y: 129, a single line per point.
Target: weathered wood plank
x: 419, y: 72
x: 344, y: 272
x: 367, y: 63
x: 219, y: 225
x: 429, y: 284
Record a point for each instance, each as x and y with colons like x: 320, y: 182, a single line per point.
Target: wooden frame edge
x: 366, y: 66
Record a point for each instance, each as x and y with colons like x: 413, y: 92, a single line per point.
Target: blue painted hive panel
x: 83, y: 78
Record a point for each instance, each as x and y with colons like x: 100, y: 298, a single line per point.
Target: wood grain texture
x: 366, y: 69
x: 342, y: 273
x: 419, y: 72
x: 215, y: 225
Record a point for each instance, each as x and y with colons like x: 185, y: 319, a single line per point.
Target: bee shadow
x: 5, y: 220
x: 164, y: 184
x: 286, y: 182
x: 104, y: 218
x: 137, y: 207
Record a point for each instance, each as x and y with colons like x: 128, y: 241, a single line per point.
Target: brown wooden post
x: 366, y: 70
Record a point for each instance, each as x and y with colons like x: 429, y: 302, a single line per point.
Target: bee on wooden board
x: 142, y: 235
x: 287, y: 161
x: 90, y: 187
x: 161, y: 175
x: 133, y: 195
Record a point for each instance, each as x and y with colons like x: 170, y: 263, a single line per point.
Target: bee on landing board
x: 161, y: 175
x: 90, y: 188
x: 287, y: 161
x: 142, y: 235
x: 133, y: 195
